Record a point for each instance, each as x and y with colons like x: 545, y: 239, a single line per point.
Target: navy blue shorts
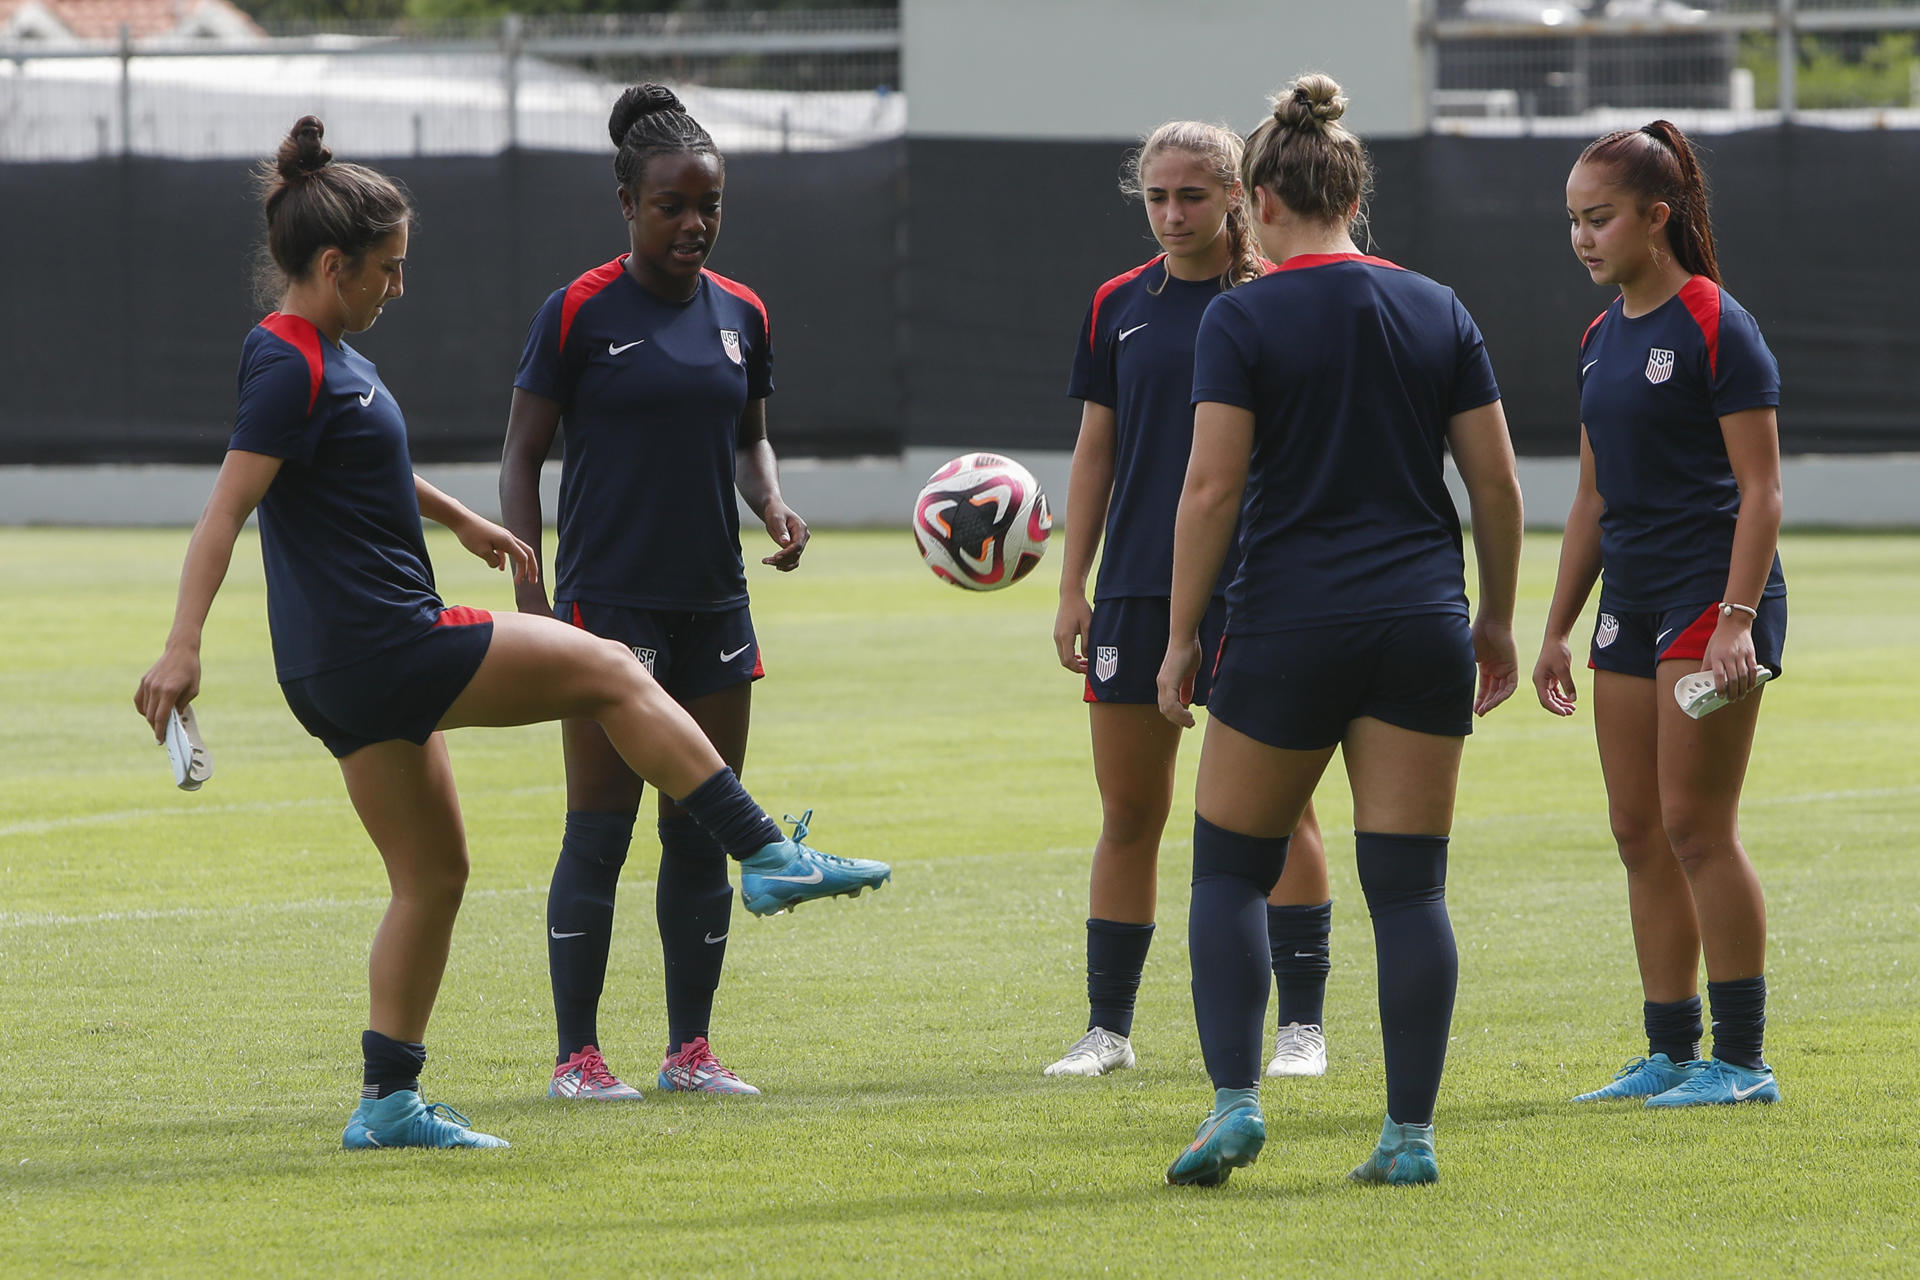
x: 402, y: 692
x: 1301, y: 689
x: 1635, y: 644
x: 1127, y: 642
x: 690, y: 654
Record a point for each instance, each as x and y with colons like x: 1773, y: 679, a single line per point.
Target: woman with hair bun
x: 1133, y: 373
x: 370, y: 660
x: 1328, y: 393
x: 1678, y: 514
x: 660, y: 370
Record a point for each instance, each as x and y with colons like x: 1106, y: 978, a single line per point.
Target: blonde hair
x: 1303, y: 155
x: 1219, y: 148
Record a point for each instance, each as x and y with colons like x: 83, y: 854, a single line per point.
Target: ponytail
x: 1657, y: 164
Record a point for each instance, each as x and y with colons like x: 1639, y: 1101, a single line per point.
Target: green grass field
x: 182, y: 978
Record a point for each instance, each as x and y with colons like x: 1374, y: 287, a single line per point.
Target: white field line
x: 196, y: 810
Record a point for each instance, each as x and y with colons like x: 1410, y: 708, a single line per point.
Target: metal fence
x: 759, y: 82
x: 1550, y: 66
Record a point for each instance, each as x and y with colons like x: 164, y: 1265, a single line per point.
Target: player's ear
x: 629, y: 207
x: 1659, y: 213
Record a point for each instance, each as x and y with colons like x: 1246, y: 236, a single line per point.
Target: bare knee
x: 612, y: 676
x: 1133, y: 820
x: 1697, y: 840
x: 1642, y: 841
x: 438, y: 883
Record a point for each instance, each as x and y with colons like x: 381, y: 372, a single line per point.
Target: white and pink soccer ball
x: 981, y: 522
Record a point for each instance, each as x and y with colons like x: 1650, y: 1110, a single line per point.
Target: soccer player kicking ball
x: 1678, y: 512
x: 1328, y: 393
x: 370, y: 660
x: 1133, y: 371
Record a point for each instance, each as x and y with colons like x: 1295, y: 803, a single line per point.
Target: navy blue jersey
x: 650, y: 393
x: 1653, y: 389
x: 346, y: 563
x: 1135, y: 356
x: 1352, y: 368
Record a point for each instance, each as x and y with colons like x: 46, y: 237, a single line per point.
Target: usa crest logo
x: 1106, y: 661
x: 646, y: 657
x: 1609, y: 629
x: 730, y: 340
x: 1659, y: 365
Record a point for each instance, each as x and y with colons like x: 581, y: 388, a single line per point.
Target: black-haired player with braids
x: 660, y: 370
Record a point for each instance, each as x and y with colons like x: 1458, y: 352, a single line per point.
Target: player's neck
x: 659, y: 283
x: 1210, y: 265
x: 1652, y: 288
x: 318, y: 307
x: 1296, y: 238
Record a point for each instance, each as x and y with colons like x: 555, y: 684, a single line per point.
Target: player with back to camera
x: 1678, y: 514
x: 660, y: 370
x: 1328, y: 393
x: 1133, y: 373
x: 370, y: 660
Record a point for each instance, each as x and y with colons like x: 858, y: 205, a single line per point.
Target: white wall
x: 1113, y: 69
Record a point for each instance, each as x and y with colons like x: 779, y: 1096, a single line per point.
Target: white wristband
x: 1727, y: 608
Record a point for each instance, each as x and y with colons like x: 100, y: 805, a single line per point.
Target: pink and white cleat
x: 585, y: 1077
x: 695, y: 1070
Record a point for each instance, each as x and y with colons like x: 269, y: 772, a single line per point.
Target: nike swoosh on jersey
x: 1588, y: 365
x: 812, y: 877
x: 1128, y: 333
x: 555, y: 933
x: 614, y: 351
x: 1741, y: 1095
x: 729, y: 657
x: 367, y: 399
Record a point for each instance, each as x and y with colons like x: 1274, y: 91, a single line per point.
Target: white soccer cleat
x: 1094, y: 1054
x: 1298, y: 1051
x: 1696, y: 695
x: 185, y: 751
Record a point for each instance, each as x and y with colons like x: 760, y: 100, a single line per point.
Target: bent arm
x: 756, y: 475
x: 532, y: 422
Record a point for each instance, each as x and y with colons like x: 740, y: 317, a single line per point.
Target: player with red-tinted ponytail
x: 1678, y: 515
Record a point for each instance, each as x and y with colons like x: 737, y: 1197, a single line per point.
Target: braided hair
x: 649, y: 120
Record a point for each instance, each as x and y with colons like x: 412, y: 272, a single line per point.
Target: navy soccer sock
x: 1227, y: 945
x: 391, y: 1065
x: 580, y: 921
x: 694, y: 904
x: 1298, y: 937
x: 727, y: 813
x: 1116, y: 953
x: 1405, y: 880
x: 1673, y: 1028
x: 1739, y: 1020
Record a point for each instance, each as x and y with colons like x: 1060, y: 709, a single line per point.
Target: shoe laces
x: 1296, y: 1040
x: 593, y: 1068
x: 442, y: 1111
x: 1633, y: 1065
x: 697, y: 1056
x: 800, y: 827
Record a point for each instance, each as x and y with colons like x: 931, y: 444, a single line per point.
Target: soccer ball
x: 981, y: 522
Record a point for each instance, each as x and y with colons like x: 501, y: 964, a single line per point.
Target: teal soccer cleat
x: 1229, y: 1138
x: 1404, y: 1157
x: 1721, y: 1084
x: 779, y: 877
x: 402, y: 1120
x: 1644, y: 1077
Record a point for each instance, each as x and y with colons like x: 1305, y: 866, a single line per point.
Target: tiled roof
x: 102, y: 19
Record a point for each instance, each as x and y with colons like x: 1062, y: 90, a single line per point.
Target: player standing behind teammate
x: 370, y: 660
x: 1329, y: 392
x: 1678, y: 512
x: 1133, y: 371
x: 661, y: 370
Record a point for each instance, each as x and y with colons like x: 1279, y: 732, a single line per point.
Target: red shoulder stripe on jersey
x: 1100, y: 294
x: 585, y: 287
x: 1303, y: 260
x: 739, y: 290
x: 1590, y: 328
x: 1702, y: 297
x: 302, y: 336
x: 1268, y: 267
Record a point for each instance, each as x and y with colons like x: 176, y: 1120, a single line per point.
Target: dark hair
x: 1302, y: 154
x: 313, y: 204
x: 1219, y: 148
x: 650, y: 121
x: 1657, y: 163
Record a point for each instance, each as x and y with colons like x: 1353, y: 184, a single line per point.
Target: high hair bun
x: 1313, y: 101
x: 640, y: 100
x: 300, y: 151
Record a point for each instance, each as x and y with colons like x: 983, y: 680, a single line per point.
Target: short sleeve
x: 760, y: 360
x: 1745, y: 374
x: 1092, y: 378
x: 1473, y: 382
x: 275, y: 416
x: 1224, y: 353
x: 542, y: 367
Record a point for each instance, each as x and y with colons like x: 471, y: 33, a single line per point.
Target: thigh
x: 1626, y: 727
x: 1702, y: 763
x: 1251, y: 788
x: 725, y: 718
x: 406, y: 800
x: 1403, y: 780
x: 538, y: 668
x: 1134, y: 749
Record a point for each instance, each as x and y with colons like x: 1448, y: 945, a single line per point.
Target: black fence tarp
x: 939, y: 313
